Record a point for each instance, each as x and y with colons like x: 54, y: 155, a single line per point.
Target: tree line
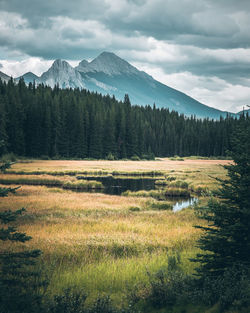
x: 40, y: 121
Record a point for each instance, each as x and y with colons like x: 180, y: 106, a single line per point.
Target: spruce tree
x: 19, y: 281
x: 226, y: 239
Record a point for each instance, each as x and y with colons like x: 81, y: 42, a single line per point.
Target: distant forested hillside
x: 41, y: 121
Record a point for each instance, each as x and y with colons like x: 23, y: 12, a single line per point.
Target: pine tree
x: 19, y: 281
x: 226, y: 239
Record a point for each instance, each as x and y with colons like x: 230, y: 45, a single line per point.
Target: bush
x: 168, y: 286
x: 179, y: 184
x: 161, y: 182
x: 134, y: 209
x: 72, y: 301
x: 149, y: 156
x: 170, y: 178
x: 69, y: 302
x: 110, y: 157
x: 8, y: 157
x: 231, y: 290
x: 160, y: 206
x: 135, y: 158
x: 177, y: 192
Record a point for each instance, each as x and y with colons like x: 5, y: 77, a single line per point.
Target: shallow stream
x: 116, y: 186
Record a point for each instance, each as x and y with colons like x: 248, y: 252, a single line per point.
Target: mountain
x: 4, y: 77
x: 29, y: 77
x: 109, y: 74
x: 107, y: 63
x: 63, y: 74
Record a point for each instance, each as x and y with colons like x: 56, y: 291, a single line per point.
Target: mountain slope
x: 109, y: 74
x: 29, y: 77
x: 4, y: 77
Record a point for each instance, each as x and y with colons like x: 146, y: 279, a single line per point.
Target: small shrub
x: 45, y: 157
x: 169, y: 285
x: 160, y: 206
x: 110, y: 157
x: 8, y: 157
x: 200, y: 190
x: 135, y: 158
x: 230, y: 290
x: 69, y: 302
x: 149, y: 156
x: 161, y: 182
x: 177, y: 192
x: 103, y: 304
x: 134, y: 209
x: 179, y: 184
x: 83, y: 185
x: 176, y: 158
x: 170, y: 178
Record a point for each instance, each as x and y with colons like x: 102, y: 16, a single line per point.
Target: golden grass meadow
x: 103, y: 243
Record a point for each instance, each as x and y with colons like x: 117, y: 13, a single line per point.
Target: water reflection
x: 178, y: 206
x: 116, y: 186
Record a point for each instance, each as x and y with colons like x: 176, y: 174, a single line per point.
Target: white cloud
x: 18, y: 68
x: 212, y: 91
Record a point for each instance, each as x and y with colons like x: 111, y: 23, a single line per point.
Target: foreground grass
x: 95, y: 240
x: 103, y: 243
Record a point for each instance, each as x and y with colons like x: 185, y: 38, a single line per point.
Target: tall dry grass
x: 104, y: 242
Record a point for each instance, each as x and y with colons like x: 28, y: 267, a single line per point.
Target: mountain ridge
x: 110, y: 74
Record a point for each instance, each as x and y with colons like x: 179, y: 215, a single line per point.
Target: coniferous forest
x: 38, y: 121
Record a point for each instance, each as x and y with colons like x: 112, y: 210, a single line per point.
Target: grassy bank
x: 104, y: 243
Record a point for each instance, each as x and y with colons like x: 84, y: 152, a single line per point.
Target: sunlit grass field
x: 106, y: 243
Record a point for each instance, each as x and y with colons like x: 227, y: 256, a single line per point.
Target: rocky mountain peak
x: 107, y: 63
x: 60, y: 64
x: 63, y: 74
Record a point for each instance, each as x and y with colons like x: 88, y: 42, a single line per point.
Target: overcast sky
x: 200, y: 47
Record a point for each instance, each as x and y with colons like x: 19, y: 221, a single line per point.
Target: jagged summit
x: 58, y: 64
x: 63, y: 74
x: 108, y: 63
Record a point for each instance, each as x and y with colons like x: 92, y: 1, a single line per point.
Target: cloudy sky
x: 200, y: 47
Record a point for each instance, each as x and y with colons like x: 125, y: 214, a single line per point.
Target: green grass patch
x: 72, y: 185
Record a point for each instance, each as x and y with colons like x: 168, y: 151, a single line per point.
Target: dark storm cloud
x: 200, y: 23
x: 206, y: 38
x: 204, y: 23
x: 38, y: 12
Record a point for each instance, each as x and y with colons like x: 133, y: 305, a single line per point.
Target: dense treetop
x: 40, y: 121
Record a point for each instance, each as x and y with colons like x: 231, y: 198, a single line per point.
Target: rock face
x: 63, y: 75
x: 109, y: 74
x: 109, y: 64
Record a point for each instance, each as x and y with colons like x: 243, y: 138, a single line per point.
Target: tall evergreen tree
x: 38, y: 120
x: 226, y: 239
x: 19, y: 281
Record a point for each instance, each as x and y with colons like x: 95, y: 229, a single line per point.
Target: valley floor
x: 107, y: 244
